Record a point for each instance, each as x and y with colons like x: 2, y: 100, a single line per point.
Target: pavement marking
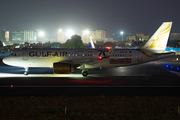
x: 175, y: 72
x: 3, y: 75
x: 8, y: 75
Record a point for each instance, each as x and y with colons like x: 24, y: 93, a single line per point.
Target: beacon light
x: 100, y: 57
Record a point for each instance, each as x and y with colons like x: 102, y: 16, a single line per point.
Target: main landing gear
x: 26, y: 71
x: 84, y: 73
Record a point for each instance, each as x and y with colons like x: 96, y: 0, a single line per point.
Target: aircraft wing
x: 80, y: 62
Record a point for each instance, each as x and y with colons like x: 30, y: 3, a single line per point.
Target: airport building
x: 96, y: 35
x: 86, y: 36
x: 101, y: 34
x: 175, y: 36
x: 8, y: 36
x: 2, y: 35
x: 18, y: 36
x: 30, y: 36
x: 123, y: 37
x: 60, y: 37
x: 139, y: 37
x: 24, y: 36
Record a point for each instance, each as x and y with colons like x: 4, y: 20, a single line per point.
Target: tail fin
x: 4, y: 44
x: 159, y: 39
x: 92, y: 44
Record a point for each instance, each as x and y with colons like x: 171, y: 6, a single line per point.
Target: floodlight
x: 122, y: 32
x: 70, y: 33
x: 87, y: 31
x: 41, y: 33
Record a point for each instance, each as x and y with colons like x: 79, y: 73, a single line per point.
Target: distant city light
x: 41, y: 33
x: 87, y: 31
x: 122, y: 32
x: 70, y: 33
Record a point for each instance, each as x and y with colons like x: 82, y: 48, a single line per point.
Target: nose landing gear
x: 26, y: 71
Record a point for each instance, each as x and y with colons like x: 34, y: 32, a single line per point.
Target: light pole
x: 122, y: 34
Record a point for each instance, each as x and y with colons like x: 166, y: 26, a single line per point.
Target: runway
x: 153, y: 78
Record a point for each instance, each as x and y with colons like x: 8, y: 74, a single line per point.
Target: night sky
x: 131, y: 16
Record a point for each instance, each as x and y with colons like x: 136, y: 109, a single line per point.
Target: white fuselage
x: 87, y: 57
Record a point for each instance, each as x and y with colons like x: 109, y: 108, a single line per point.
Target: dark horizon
x: 137, y: 16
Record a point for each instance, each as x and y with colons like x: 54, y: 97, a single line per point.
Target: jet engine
x: 63, y: 68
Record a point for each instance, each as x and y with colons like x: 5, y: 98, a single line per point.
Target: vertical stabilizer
x: 159, y: 39
x: 92, y: 44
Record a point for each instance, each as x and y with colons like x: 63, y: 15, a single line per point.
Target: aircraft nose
x: 7, y: 60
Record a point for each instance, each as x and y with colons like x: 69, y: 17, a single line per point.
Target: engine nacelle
x: 63, y: 68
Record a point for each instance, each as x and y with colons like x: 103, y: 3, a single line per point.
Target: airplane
x: 64, y: 61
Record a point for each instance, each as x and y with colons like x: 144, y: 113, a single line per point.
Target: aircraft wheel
x: 84, y: 73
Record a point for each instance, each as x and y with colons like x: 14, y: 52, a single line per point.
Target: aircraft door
x: 139, y: 56
x: 25, y: 55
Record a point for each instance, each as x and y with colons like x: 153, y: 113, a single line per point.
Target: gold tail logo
x: 157, y: 43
